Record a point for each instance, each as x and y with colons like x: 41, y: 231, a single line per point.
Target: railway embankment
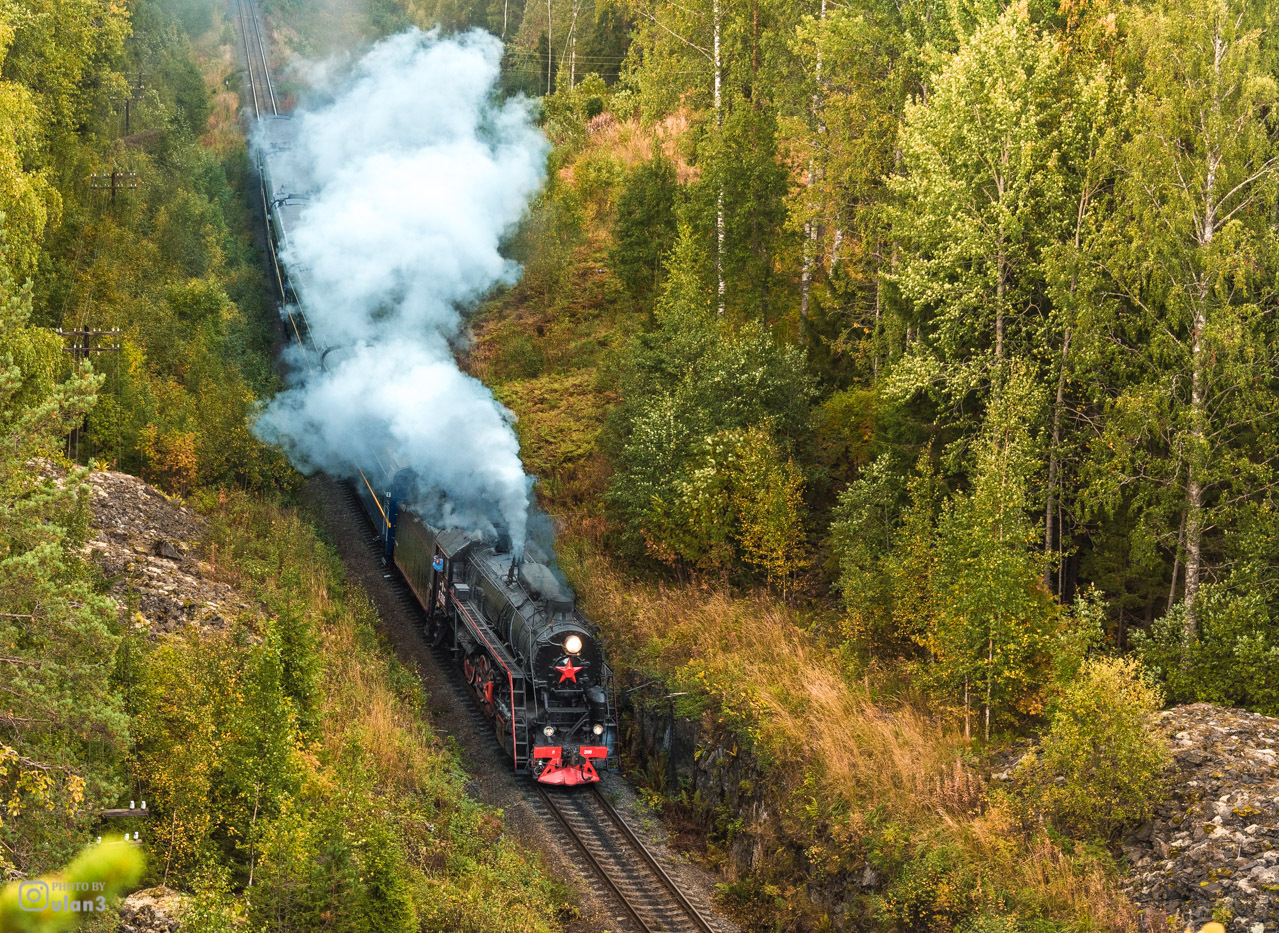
x: 286, y: 757
x: 1210, y: 850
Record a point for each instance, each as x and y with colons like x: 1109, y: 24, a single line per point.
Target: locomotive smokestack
x: 510, y: 575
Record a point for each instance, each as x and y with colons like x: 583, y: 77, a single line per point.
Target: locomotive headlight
x: 573, y: 644
x: 598, y: 728
x: 548, y: 731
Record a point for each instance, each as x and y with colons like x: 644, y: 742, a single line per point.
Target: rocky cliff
x: 1212, y: 849
x: 146, y: 545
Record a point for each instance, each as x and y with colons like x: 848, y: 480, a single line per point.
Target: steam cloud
x: 415, y: 173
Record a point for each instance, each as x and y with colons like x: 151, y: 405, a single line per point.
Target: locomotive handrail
x: 515, y: 745
x: 375, y: 498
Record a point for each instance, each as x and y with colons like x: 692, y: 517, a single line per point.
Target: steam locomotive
x: 531, y: 661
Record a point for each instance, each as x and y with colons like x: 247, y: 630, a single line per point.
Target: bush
x: 1233, y: 659
x: 933, y: 893
x: 1100, y: 765
x: 704, y: 439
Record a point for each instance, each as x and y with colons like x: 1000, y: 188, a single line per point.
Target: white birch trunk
x: 722, y: 286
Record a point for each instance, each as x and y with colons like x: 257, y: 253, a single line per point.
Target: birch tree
x: 980, y: 198
x: 1188, y: 261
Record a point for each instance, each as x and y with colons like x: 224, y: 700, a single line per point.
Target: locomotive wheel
x: 468, y: 669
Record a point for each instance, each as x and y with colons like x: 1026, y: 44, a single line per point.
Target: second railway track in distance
x: 261, y: 88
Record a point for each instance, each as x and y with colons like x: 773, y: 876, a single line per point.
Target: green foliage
x: 704, y: 474
x: 1232, y: 660
x: 1101, y: 761
x: 645, y: 227
x: 1183, y: 320
x: 215, y: 736
x: 100, y: 874
x: 64, y: 726
x: 980, y: 197
x: 934, y: 892
x: 956, y: 576
x: 994, y: 621
x: 289, y: 749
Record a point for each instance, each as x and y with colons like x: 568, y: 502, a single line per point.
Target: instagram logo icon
x: 33, y: 895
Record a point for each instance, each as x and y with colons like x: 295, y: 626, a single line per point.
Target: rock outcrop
x: 154, y: 910
x: 147, y: 546
x: 1213, y: 845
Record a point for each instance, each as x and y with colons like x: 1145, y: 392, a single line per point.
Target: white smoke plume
x: 413, y: 173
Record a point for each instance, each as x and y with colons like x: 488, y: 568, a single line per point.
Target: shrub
x: 933, y: 893
x: 1232, y: 660
x: 1101, y: 762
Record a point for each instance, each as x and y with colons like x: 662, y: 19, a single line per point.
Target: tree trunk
x: 1194, y: 491
x: 721, y: 285
x: 874, y: 337
x: 1176, y: 562
x: 1000, y: 289
x: 1198, y: 392
x: 810, y: 227
x: 550, y: 53
x: 968, y: 725
x: 1053, y: 464
x: 990, y: 680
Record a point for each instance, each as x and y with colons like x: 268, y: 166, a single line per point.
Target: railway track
x: 618, y: 857
x: 261, y: 87
x: 621, y: 867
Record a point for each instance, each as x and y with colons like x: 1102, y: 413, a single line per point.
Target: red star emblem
x: 568, y: 671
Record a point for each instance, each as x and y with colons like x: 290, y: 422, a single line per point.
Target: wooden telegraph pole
x: 115, y: 181
x: 135, y: 94
x: 80, y: 349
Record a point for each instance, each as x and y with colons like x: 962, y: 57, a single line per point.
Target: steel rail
x: 248, y: 60
x: 688, y: 907
x: 266, y: 67
x: 592, y: 860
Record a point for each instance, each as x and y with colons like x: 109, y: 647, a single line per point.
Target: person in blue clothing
x: 436, y: 619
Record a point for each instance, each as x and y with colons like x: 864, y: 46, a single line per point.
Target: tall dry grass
x: 866, y: 753
x: 753, y: 653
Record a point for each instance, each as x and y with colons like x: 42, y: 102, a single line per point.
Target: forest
x: 901, y: 375
x: 961, y: 311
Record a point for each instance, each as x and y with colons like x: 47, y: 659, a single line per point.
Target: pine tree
x: 61, y: 724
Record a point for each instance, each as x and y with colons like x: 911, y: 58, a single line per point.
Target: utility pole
x: 135, y: 94
x: 115, y: 181
x: 722, y: 285
x: 80, y: 349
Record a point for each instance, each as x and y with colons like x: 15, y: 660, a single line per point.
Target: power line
x: 116, y: 181
x: 80, y: 349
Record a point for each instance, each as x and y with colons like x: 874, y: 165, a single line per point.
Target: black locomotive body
x: 533, y: 663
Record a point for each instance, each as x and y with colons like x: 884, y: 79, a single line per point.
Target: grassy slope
x: 463, y: 872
